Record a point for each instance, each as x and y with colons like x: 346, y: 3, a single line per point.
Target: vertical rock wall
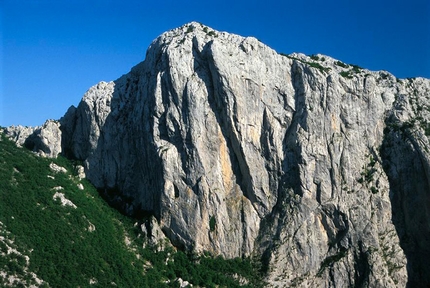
x: 318, y: 167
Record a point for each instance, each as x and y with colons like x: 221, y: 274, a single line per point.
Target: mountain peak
x: 239, y: 150
x: 187, y: 31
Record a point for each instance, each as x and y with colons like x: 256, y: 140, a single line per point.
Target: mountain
x: 318, y: 168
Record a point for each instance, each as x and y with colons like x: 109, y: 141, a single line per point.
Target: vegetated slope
x: 56, y: 231
x: 318, y: 167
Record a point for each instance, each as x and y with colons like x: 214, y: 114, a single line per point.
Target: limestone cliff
x: 44, y: 140
x: 318, y: 167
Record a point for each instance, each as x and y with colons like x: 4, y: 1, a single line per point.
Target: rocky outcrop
x: 318, y: 167
x: 19, y: 134
x: 44, y: 140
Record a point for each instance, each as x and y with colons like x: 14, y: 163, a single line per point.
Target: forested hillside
x: 56, y: 231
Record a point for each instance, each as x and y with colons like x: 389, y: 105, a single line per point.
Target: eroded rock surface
x: 44, y: 140
x: 319, y: 167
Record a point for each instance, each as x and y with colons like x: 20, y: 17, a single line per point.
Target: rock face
x: 318, y: 167
x: 44, y: 140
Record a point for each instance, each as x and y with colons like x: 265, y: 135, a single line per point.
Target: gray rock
x: 57, y: 169
x: 153, y: 235
x: 80, y: 171
x: 19, y: 134
x: 44, y: 140
x: 318, y: 167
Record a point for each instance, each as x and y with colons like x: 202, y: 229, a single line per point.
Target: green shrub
x: 212, y: 34
x: 318, y: 66
x: 356, y: 68
x: 212, y: 223
x: 341, y: 64
x: 315, y: 57
x: 346, y: 74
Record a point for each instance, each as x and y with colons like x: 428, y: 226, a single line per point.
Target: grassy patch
x: 346, y: 74
x: 310, y: 64
x: 341, y: 64
x: 368, y: 173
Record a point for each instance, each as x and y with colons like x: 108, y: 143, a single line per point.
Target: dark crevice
x: 268, y: 147
x: 289, y: 183
x: 318, y: 194
x: 362, y: 267
x: 123, y: 203
x: 410, y: 199
x: 206, y: 71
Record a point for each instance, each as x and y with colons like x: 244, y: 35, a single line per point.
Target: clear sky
x: 52, y: 51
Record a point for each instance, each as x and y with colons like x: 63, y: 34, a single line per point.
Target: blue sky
x: 51, y: 52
